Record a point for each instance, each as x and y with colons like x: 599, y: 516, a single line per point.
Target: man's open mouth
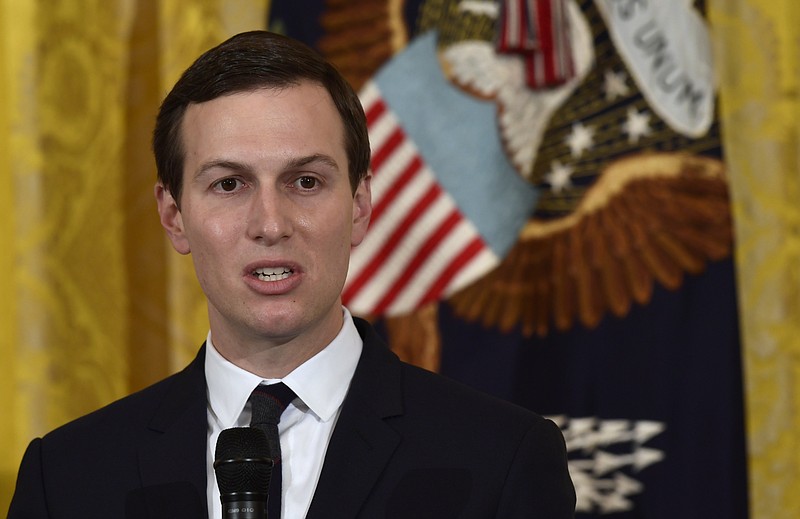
x: 272, y: 274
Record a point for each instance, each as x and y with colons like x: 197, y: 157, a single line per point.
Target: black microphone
x: 243, y: 469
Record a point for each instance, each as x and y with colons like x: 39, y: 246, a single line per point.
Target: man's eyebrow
x: 223, y: 164
x: 293, y: 163
x: 317, y: 158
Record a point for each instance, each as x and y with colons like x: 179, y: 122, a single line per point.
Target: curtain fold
x: 94, y: 303
x: 15, y: 46
x: 66, y: 348
x: 757, y: 54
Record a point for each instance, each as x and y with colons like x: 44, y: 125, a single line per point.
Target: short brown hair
x: 250, y: 61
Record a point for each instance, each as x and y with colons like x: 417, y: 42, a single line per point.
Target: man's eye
x: 228, y: 184
x: 307, y: 182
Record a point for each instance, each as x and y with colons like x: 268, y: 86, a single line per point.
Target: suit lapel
x: 362, y: 442
x: 178, y: 446
x: 360, y: 448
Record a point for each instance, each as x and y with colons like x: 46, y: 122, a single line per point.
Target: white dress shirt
x: 306, y: 425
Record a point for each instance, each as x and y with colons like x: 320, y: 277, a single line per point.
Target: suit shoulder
x: 449, y: 397
x: 397, y: 387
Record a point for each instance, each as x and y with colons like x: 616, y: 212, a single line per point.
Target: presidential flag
x: 552, y: 225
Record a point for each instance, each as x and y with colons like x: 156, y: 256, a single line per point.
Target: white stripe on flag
x: 418, y: 244
x: 453, y: 243
x: 381, y: 129
x: 369, y: 95
x: 482, y: 263
x: 385, y: 277
x: 381, y: 229
x: 391, y: 169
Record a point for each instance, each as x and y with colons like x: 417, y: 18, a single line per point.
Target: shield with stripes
x: 441, y: 218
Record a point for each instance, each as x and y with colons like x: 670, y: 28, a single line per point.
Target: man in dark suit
x: 263, y: 158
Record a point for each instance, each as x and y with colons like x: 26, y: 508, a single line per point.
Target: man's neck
x: 273, y: 357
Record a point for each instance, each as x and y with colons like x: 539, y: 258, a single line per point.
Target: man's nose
x: 269, y: 219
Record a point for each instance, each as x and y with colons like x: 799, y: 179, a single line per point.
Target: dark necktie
x: 267, y: 403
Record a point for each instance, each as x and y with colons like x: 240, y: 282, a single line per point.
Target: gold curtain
x: 91, y: 291
x: 757, y: 60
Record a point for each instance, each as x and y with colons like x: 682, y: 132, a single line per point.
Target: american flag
x: 539, y: 30
x: 419, y: 247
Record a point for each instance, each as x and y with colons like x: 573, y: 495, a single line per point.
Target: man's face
x: 268, y: 213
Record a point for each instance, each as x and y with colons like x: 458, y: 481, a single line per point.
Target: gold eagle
x: 649, y: 217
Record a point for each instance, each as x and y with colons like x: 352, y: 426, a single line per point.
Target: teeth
x: 275, y: 274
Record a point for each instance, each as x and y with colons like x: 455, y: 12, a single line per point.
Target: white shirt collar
x: 321, y: 382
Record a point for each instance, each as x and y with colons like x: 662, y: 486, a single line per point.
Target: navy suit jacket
x: 408, y: 443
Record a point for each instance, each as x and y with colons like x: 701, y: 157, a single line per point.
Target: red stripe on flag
x: 413, y: 214
x: 543, y: 39
x: 387, y: 149
x: 466, y: 255
x: 544, y: 22
x: 396, y: 188
x: 504, y: 40
x: 375, y: 111
x: 522, y: 29
x: 419, y: 258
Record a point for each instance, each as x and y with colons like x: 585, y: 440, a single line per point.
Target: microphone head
x: 241, y: 461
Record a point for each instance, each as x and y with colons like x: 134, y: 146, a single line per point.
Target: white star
x: 580, y: 139
x: 559, y: 176
x: 615, y: 85
x: 637, y: 125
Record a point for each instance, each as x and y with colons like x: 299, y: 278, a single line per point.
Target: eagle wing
x: 361, y: 35
x: 649, y: 218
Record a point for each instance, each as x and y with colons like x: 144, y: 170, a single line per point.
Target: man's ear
x: 362, y: 210
x: 171, y: 219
